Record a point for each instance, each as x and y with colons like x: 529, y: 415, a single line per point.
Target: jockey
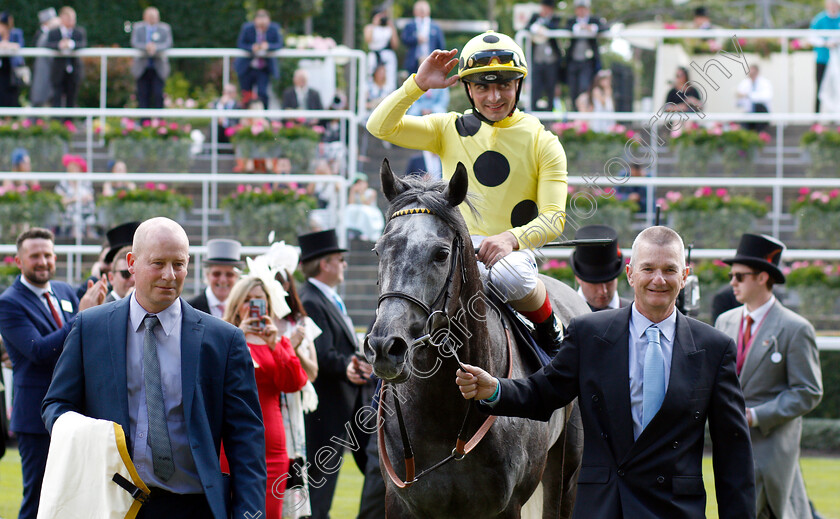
x: 517, y: 169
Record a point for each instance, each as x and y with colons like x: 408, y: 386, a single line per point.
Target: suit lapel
x: 615, y: 382
x: 763, y: 342
x: 36, y: 303
x: 336, y: 314
x: 117, y: 343
x: 192, y: 332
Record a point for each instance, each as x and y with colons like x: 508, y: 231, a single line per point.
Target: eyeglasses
x: 485, y: 57
x: 739, y: 276
x: 124, y: 273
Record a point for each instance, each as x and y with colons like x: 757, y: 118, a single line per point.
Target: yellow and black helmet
x: 492, y: 57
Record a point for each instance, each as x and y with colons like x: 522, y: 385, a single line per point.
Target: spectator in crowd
x: 10, y: 39
x: 66, y: 70
x: 779, y: 367
x: 600, y: 96
x: 645, y: 409
x: 433, y: 101
x: 382, y: 42
x: 327, y: 194
x: 161, y: 343
x: 636, y: 194
x: 122, y: 280
x: 421, y: 36
x: 36, y: 315
x: 341, y: 373
x: 425, y: 163
x: 151, y: 36
x: 597, y: 267
x: 277, y: 371
x: 682, y: 98
x: 378, y: 87
x: 824, y: 47
x: 300, y: 96
x: 754, y: 96
x: 228, y: 101
x: 546, y: 56
x: 701, y: 18
x: 365, y: 220
x: 583, y: 60
x: 41, y: 92
x: 258, y: 37
x: 110, y: 188
x: 221, y: 272
x: 78, y: 198
x: 21, y: 163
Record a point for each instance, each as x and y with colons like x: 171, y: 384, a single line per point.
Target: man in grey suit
x: 151, y: 70
x: 779, y: 369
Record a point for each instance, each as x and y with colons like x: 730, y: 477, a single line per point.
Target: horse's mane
x: 429, y: 194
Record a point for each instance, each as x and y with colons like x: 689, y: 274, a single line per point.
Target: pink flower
x: 8, y: 260
x: 70, y: 126
x: 742, y: 42
x: 618, y: 128
x: 318, y: 129
x: 818, y: 128
x: 276, y: 125
x: 22, y: 188
x: 707, y: 191
x: 147, y: 123
x: 715, y: 46
x: 795, y: 44
x: 676, y: 133
x: 824, y: 199
x: 130, y: 125
x: 15, y: 126
x: 630, y: 134
x: 36, y: 187
x: 155, y: 123
x: 230, y: 131
x: 673, y: 196
x: 97, y: 130
x: 786, y: 270
x: 26, y: 123
x: 671, y: 26
x: 768, y: 199
x: 816, y: 195
x: 187, y: 128
x: 162, y: 130
x: 256, y: 129
x: 716, y: 130
x: 662, y: 203
x: 571, y: 189
x: 553, y: 264
x: 583, y: 128
x: 173, y: 126
x: 161, y: 186
x: 190, y: 103
x: 240, y: 188
x: 257, y: 190
x: 804, y: 190
x: 149, y: 185
x: 289, y: 124
x: 764, y: 136
x: 563, y: 264
x: 834, y: 193
x: 719, y: 263
x: 40, y: 122
x: 721, y: 192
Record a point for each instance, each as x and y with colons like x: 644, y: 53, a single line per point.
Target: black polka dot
x: 523, y: 212
x: 467, y: 125
x: 491, y: 168
x: 491, y: 39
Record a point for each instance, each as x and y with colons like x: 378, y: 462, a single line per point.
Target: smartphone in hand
x: 257, y: 309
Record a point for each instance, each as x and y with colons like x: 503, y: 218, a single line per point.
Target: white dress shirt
x: 216, y: 306
x: 39, y: 293
x: 614, y: 302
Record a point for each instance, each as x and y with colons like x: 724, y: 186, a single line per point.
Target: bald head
x: 151, y: 231
x: 159, y: 259
x: 151, y: 15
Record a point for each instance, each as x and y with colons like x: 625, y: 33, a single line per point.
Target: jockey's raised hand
x: 475, y: 383
x: 434, y: 69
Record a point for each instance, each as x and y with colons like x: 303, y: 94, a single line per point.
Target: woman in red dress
x: 277, y: 370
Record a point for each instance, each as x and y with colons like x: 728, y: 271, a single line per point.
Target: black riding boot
x: 549, y: 335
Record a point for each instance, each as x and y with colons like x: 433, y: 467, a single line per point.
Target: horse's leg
x: 572, y: 457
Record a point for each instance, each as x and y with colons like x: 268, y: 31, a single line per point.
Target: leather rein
x: 463, y: 446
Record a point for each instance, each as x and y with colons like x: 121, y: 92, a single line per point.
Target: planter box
x: 817, y: 228
x: 16, y: 218
x: 700, y: 160
x: 591, y: 158
x: 300, y: 152
x: 45, y: 152
x: 152, y: 155
x: 619, y: 218
x: 823, y: 160
x: 711, y: 229
x: 253, y: 225
x: 115, y: 214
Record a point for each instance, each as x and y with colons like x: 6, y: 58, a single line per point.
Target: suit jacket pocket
x: 594, y: 475
x: 688, y: 485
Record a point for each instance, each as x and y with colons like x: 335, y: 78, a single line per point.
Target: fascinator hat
x: 283, y: 259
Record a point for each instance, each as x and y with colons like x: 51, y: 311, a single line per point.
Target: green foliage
x: 824, y: 202
x: 157, y: 129
x: 818, y: 273
x: 263, y: 131
x: 121, y: 83
x: 148, y: 193
x: 821, y: 136
x: 25, y: 128
x: 592, y: 202
x: 257, y: 211
x: 830, y: 405
x: 559, y: 270
x: 181, y: 93
x: 8, y: 272
x: 709, y: 201
x: 711, y: 273
x: 22, y: 207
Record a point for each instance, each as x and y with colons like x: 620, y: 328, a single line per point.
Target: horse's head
x: 420, y: 254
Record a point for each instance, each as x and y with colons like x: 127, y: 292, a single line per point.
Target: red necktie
x: 53, y: 310
x: 745, y: 344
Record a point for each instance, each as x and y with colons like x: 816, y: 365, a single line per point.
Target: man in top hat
x: 597, y: 267
x: 779, y: 369
x: 220, y: 274
x: 341, y: 374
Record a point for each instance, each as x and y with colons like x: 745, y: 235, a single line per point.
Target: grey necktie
x: 158, y: 437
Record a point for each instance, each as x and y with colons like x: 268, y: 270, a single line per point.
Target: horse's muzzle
x: 387, y: 355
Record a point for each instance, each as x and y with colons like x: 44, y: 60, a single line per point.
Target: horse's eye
x: 441, y: 255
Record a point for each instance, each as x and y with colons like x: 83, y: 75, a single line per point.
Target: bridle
x: 462, y: 445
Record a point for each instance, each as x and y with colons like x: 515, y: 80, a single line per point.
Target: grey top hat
x: 45, y: 15
x: 224, y: 252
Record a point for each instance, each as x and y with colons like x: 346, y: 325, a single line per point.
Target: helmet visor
x: 486, y: 57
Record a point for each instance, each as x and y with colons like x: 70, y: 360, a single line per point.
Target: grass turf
x: 821, y: 477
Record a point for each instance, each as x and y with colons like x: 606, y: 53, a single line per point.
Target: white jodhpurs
x: 514, y: 277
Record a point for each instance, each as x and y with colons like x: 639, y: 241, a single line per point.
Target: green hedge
x: 830, y: 405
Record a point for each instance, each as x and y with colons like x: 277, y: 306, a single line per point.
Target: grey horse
x: 433, y: 313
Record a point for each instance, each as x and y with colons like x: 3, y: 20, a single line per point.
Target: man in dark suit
x: 646, y: 378
x: 66, y: 70
x: 545, y: 55
x: 36, y: 314
x: 583, y: 60
x: 220, y: 274
x: 597, y: 267
x: 300, y: 96
x: 151, y: 70
x: 258, y: 37
x: 122, y: 280
x: 341, y: 375
x: 177, y: 381
x: 421, y: 36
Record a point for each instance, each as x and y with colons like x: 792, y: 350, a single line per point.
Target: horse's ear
x: 456, y: 191
x: 391, y: 185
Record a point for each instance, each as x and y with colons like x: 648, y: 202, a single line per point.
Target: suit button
x: 620, y: 473
x: 604, y: 436
x: 660, y: 479
x: 595, y: 398
x: 696, y: 415
x: 675, y: 445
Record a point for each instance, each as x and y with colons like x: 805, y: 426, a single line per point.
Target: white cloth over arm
x: 830, y: 86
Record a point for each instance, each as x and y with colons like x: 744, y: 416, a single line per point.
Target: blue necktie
x: 653, y: 388
x: 339, y: 303
x: 158, y: 435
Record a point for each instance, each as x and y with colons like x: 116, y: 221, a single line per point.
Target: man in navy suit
x: 421, y: 36
x: 36, y: 314
x: 258, y: 38
x: 66, y: 70
x: 646, y: 378
x: 178, y: 381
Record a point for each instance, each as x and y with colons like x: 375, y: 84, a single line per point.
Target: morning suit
x: 336, y: 395
x: 66, y: 70
x: 583, y: 59
x: 34, y: 343
x: 151, y: 72
x: 660, y: 473
x: 313, y: 100
x: 200, y: 303
x: 546, y: 59
x: 220, y: 400
x: 779, y: 394
x: 413, y: 47
x: 250, y: 74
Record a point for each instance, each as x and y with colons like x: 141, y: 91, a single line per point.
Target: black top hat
x: 317, y: 244
x: 549, y: 3
x: 761, y: 252
x: 224, y: 252
x: 597, y: 263
x: 119, y: 237
x: 701, y: 11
